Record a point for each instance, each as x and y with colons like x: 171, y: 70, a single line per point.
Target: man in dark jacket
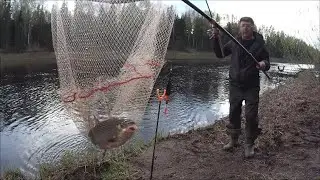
x: 244, y: 81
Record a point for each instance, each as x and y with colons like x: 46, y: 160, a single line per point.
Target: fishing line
x: 209, y: 9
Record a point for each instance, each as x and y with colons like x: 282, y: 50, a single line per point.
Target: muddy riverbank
x: 289, y: 147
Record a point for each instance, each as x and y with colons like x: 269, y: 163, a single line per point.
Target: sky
x: 297, y: 18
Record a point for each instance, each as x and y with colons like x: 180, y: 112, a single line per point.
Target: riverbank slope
x: 289, y: 147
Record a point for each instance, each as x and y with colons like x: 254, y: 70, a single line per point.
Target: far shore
x: 39, y: 61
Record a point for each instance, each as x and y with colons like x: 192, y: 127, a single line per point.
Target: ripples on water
x: 35, y: 127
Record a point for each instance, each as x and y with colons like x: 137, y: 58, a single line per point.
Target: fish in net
x: 109, y: 54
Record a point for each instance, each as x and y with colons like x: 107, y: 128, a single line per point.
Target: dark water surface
x: 35, y: 127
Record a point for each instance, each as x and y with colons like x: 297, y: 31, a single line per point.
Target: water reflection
x: 35, y: 127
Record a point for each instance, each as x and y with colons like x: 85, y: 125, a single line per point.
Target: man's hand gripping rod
x: 222, y: 29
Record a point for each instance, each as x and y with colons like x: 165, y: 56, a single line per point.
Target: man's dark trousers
x: 250, y: 95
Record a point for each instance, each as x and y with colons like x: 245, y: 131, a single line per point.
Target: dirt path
x: 289, y: 147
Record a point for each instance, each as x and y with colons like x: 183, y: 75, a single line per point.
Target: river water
x: 35, y: 127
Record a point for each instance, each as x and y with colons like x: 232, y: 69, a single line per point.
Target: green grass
x: 114, y: 165
x: 13, y: 174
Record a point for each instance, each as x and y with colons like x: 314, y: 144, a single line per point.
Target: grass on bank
x: 13, y: 174
x: 13, y: 60
x: 90, y: 165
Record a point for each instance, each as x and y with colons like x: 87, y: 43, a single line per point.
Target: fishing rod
x: 222, y: 29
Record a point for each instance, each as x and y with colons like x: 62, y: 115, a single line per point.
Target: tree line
x: 190, y: 31
x: 26, y: 25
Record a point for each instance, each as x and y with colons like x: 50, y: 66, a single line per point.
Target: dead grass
x: 26, y: 63
x: 41, y: 60
x: 24, y: 59
x: 92, y: 165
x: 88, y: 166
x: 38, y: 60
x: 14, y: 174
x: 293, y: 103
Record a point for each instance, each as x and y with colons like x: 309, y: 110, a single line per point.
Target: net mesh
x: 109, y: 54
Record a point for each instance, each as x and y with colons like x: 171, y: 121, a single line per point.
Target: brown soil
x: 289, y: 147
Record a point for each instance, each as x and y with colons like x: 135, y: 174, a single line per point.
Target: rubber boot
x: 234, y: 139
x: 248, y: 150
x: 249, y: 144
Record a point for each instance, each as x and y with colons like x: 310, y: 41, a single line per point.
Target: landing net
x: 109, y: 54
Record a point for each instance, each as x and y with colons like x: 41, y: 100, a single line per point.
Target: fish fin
x: 91, y: 136
x: 112, y: 140
x: 96, y: 121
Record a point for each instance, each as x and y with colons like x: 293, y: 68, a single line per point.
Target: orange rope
x: 71, y: 98
x: 105, y: 88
